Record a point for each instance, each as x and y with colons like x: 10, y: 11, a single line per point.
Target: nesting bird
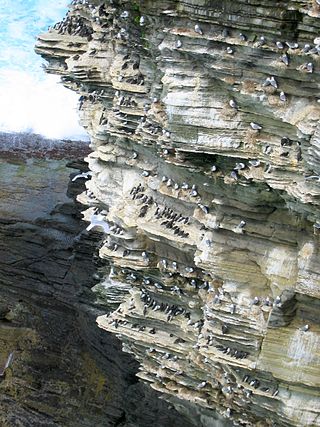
x: 262, y: 41
x: 285, y: 59
x: 292, y: 45
x: 233, y: 104
x: 271, y: 81
x: 201, y: 385
x: 198, y: 30
x: 309, y: 67
x: 242, y: 224
x: 255, y: 126
x: 142, y: 21
x: 239, y: 166
x: 124, y: 14
x: 282, y: 96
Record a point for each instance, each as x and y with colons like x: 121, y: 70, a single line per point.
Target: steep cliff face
x: 204, y: 125
x: 65, y: 371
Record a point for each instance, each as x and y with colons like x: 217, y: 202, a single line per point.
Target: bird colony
x: 205, y: 189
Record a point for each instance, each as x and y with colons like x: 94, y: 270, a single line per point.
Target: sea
x: 32, y: 101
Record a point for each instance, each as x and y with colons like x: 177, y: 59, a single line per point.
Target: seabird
x: 292, y: 45
x: 306, y: 48
x: 229, y: 50
x: 98, y: 221
x: 233, y: 104
x: 198, y: 30
x: 255, y: 126
x: 267, y: 301
x: 85, y: 175
x: 305, y: 328
x: 124, y: 14
x: 239, y: 166
x: 309, y: 67
x: 255, y: 301
x: 254, y: 163
x: 234, y: 175
x: 142, y: 21
x: 204, y: 208
x: 271, y: 81
x: 285, y: 59
x: 201, y: 385
x: 277, y: 301
x: 285, y: 141
x: 282, y: 96
x: 145, y: 173
x: 280, y: 45
x: 243, y: 37
x: 178, y: 44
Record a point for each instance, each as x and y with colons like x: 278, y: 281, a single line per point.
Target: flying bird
x: 98, y: 221
x: 85, y: 175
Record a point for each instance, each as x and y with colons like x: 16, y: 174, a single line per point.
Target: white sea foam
x: 30, y: 103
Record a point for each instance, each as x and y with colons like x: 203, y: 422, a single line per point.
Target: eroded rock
x: 204, y: 125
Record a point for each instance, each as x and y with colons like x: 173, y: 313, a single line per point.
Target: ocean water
x: 30, y: 100
x: 21, y: 21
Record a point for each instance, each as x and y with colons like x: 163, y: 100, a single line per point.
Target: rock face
x: 204, y: 125
x: 65, y: 371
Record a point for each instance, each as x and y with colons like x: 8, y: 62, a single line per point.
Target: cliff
x: 204, y: 125
x: 65, y: 371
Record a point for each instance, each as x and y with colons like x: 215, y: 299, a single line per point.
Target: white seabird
x: 82, y: 175
x: 98, y: 221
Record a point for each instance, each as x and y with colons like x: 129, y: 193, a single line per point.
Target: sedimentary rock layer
x: 204, y: 125
x: 65, y: 371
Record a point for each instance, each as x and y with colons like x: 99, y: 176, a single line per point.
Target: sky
x: 30, y: 100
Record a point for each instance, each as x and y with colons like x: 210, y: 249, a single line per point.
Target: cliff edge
x: 204, y: 125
